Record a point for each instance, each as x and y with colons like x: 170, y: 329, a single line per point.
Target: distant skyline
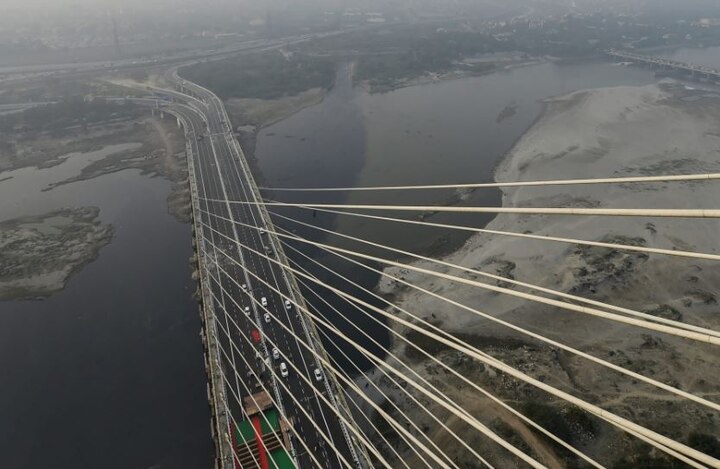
x: 59, y: 5
x: 28, y: 15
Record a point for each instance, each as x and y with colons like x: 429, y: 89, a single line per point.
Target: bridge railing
x: 218, y: 394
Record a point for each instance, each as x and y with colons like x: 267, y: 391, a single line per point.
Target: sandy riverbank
x: 600, y: 133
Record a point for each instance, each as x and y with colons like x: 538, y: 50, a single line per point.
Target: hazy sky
x: 60, y: 4
x: 68, y: 8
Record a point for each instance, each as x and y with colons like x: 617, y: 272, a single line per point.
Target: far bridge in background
x: 695, y: 72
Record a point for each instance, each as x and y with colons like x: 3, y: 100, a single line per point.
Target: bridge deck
x: 220, y: 174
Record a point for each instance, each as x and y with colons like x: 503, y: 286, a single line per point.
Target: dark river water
x: 109, y: 372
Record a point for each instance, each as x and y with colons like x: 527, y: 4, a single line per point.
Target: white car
x: 267, y: 318
x: 262, y: 231
x: 276, y: 353
x: 318, y: 374
x: 244, y: 286
x: 283, y: 370
x: 247, y: 311
x: 288, y: 305
x: 263, y: 301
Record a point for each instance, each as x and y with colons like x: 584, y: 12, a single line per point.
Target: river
x: 453, y: 131
x: 109, y: 372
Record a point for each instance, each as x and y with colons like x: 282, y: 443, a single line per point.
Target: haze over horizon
x: 192, y: 191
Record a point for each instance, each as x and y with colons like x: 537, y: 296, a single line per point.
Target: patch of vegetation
x: 549, y: 418
x: 390, y: 56
x: 607, y: 265
x: 665, y: 311
x: 61, y: 89
x: 435, y: 53
x: 384, y: 428
x: 579, y: 419
x: 383, y: 71
x: 708, y: 444
x: 503, y: 268
x: 703, y: 296
x: 268, y: 75
x: 569, y: 423
x: 431, y: 346
x: 67, y: 113
x: 599, y: 253
x: 434, y: 347
x: 432, y: 39
x: 642, y: 459
x: 48, y: 90
x: 642, y: 456
x: 563, y: 423
x: 645, y: 461
x: 510, y: 435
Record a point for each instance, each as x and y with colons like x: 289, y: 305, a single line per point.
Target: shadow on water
x: 447, y: 132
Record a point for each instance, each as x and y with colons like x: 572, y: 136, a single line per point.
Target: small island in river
x: 509, y: 111
x: 39, y: 254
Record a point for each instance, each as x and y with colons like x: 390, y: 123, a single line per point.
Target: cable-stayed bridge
x: 281, y: 401
x: 274, y: 401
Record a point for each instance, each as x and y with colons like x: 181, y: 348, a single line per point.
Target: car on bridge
x: 283, y: 370
x: 247, y: 311
x: 267, y: 318
x: 263, y: 301
x: 288, y: 305
x: 255, y: 334
x: 276, y: 353
x: 318, y: 374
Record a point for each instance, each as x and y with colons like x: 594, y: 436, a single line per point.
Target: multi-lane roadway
x: 246, y: 286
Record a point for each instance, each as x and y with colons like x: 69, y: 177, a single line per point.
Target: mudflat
x: 39, y: 254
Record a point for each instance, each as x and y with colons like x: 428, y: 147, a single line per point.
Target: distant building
x: 708, y: 22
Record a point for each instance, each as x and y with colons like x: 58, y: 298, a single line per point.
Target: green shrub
x: 708, y: 444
